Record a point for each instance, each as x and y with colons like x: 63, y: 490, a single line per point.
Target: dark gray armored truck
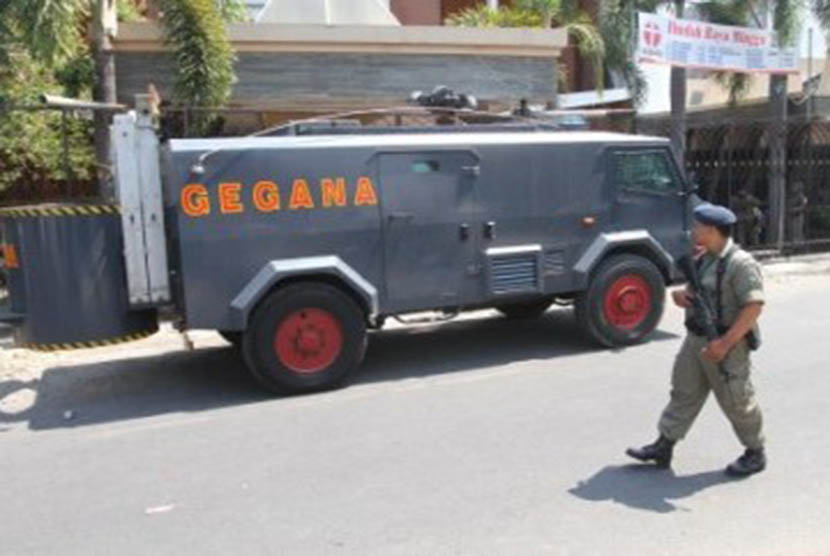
x: 294, y: 246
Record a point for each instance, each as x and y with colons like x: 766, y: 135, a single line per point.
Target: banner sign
x: 698, y: 44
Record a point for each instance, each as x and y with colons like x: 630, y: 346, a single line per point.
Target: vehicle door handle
x: 464, y: 232
x: 401, y: 216
x: 490, y: 230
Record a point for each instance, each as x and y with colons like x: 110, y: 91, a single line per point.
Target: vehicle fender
x: 604, y: 243
x: 279, y: 270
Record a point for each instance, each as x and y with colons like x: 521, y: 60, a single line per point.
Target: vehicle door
x: 541, y: 206
x: 430, y: 229
x: 649, y: 194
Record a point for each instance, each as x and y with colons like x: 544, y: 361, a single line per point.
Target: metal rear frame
x: 139, y: 191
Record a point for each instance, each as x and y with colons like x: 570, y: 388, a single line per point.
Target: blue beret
x: 714, y: 215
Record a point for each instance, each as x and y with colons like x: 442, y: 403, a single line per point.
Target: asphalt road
x: 483, y: 436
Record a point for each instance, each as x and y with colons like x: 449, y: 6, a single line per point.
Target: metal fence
x: 71, y: 122
x: 730, y: 160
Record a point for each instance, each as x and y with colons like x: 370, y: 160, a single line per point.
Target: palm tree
x: 618, y: 26
x: 746, y: 13
x: 564, y: 14
x: 785, y: 20
x: 54, y: 34
x: 195, y: 32
x: 547, y: 9
x: 617, y: 19
x: 821, y: 9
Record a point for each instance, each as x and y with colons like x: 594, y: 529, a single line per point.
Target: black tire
x: 233, y: 337
x: 331, y: 318
x: 525, y: 310
x: 623, y: 303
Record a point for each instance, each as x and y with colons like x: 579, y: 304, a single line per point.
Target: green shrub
x: 31, y: 146
x: 483, y: 16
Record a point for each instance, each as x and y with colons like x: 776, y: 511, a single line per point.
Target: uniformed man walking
x: 732, y: 278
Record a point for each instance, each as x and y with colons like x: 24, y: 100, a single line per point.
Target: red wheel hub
x: 628, y: 302
x: 309, y: 340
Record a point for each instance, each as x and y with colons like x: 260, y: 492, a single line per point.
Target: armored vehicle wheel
x: 232, y: 337
x: 525, y: 310
x: 623, y: 302
x: 304, y: 338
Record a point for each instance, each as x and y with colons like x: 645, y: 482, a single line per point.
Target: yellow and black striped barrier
x: 69, y: 260
x: 70, y: 346
x: 59, y: 210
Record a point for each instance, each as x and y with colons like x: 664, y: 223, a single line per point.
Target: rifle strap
x: 720, y: 272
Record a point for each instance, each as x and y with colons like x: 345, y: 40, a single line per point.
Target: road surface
x: 483, y: 436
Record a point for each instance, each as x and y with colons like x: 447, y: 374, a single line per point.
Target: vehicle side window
x: 426, y: 167
x: 648, y: 172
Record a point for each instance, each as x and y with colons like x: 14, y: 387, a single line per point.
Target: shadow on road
x: 133, y: 388
x: 644, y: 487
x: 215, y: 377
x: 472, y: 344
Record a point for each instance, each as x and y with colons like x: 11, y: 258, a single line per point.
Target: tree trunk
x: 678, y: 104
x: 103, y: 91
x: 777, y: 159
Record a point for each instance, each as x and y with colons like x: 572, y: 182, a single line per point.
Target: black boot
x: 660, y: 452
x: 753, y: 461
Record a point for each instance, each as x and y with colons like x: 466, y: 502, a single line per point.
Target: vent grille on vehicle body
x: 514, y: 273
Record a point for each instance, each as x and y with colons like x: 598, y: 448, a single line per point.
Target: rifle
x: 704, y: 313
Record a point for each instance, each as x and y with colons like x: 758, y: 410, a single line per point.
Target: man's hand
x: 682, y: 299
x: 716, y: 351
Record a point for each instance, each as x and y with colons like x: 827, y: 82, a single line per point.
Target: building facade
x: 308, y: 57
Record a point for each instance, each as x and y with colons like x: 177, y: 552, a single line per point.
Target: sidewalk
x: 818, y: 263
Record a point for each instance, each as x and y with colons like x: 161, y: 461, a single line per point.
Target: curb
x: 798, y: 265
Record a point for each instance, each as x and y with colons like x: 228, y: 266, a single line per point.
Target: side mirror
x: 689, y: 190
x: 692, y: 183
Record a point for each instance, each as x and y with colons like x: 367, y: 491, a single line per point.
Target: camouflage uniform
x: 750, y: 219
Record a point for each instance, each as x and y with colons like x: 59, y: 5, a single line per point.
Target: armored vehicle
x: 294, y: 246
